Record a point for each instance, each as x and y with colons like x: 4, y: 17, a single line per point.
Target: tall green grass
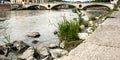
x: 68, y: 30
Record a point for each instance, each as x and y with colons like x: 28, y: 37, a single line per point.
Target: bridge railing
x: 71, y: 2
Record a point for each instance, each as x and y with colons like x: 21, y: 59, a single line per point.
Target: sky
x: 78, y: 0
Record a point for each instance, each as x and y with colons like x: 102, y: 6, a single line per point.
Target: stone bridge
x: 75, y: 4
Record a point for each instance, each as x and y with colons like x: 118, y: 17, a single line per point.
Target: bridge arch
x: 34, y: 7
x: 67, y: 6
x: 95, y: 6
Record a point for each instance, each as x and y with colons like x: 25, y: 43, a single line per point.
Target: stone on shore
x: 2, y: 57
x: 28, y: 54
x: 83, y: 35
x: 35, y: 41
x: 34, y: 34
x: 2, y: 50
x: 62, y: 44
x: 43, y: 51
x: 20, y: 46
x: 52, y: 46
x: 57, y: 53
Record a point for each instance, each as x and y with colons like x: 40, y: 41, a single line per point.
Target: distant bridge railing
x: 76, y: 4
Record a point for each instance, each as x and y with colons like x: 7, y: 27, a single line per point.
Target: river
x: 18, y: 24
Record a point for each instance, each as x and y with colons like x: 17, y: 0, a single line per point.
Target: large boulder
x: 83, y: 35
x: 52, y: 46
x: 43, y: 51
x: 2, y: 57
x: 2, y: 50
x: 34, y: 34
x: 20, y: 46
x: 28, y: 54
x: 57, y: 53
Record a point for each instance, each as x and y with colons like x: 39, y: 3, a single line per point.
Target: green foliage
x: 93, y: 28
x: 92, y: 18
x: 79, y: 13
x: 55, y: 0
x: 68, y: 30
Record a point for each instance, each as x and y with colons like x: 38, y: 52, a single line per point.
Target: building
x: 28, y: 1
x: 43, y: 1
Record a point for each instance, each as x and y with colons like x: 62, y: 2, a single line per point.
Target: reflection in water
x: 44, y: 22
x: 96, y: 12
x: 4, y: 16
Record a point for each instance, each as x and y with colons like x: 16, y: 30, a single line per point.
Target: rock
x: 43, y: 51
x: 96, y: 24
x: 97, y: 18
x: 20, y: 46
x: 62, y: 44
x: 55, y: 32
x: 2, y: 57
x: 34, y: 34
x: 104, y: 18
x: 89, y: 30
x: 7, y: 48
x: 83, y: 35
x: 52, y: 46
x: 31, y: 58
x: 91, y: 23
x: 2, y: 50
x: 35, y: 41
x: 28, y: 54
x: 82, y: 26
x: 47, y: 58
x: 56, y: 53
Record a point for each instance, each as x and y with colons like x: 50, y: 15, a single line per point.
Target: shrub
x: 68, y: 30
x: 92, y: 18
x: 93, y: 28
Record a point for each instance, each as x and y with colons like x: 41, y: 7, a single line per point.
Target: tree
x: 55, y: 0
x: 102, y: 0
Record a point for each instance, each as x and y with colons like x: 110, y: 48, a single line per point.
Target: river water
x: 18, y: 24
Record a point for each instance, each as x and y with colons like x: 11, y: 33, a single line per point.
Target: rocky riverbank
x: 18, y: 50
x: 103, y: 44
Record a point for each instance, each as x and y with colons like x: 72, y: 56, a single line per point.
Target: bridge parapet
x: 76, y: 4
